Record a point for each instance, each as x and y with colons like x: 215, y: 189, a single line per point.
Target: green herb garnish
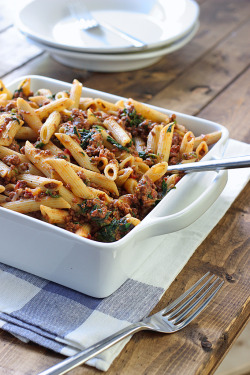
x: 134, y: 118
x: 116, y: 144
x: 144, y: 155
x: 109, y: 232
x: 51, y: 194
x: 39, y: 145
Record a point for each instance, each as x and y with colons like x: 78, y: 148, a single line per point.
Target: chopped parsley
x: 134, y: 118
x: 109, y: 232
x: 118, y: 145
x: 39, y: 145
x: 144, y: 155
x: 51, y: 194
x: 85, y: 137
x: 164, y: 187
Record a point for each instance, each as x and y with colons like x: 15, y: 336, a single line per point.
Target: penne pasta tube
x: 4, y: 169
x: 132, y: 220
x: 172, y: 180
x: 62, y: 94
x: 24, y: 87
x: 69, y: 197
x: 92, y: 118
x: 139, y: 144
x: 86, y: 103
x: 75, y: 93
x: 54, y: 215
x: 102, y: 162
x: 130, y: 185
x: 202, y: 150
x: 157, y: 171
x: 105, y: 106
x: 4, y: 151
x: 153, y: 139
x: 30, y: 205
x: 117, y: 131
x: 38, y: 158
x: 55, y: 105
x: 97, y: 178
x: 101, y: 195
x: 4, y: 90
x: 2, y: 188
x: 140, y: 166
x: 76, y: 151
x: 29, y: 115
x: 127, y: 162
x: 165, y: 142
x: 70, y: 177
x: 209, y: 138
x: 56, y: 151
x: 111, y: 171
x: 44, y: 92
x: 84, y: 231
x: 26, y: 133
x: 11, y: 128
x: 38, y: 181
x: 147, y: 112
x: 50, y: 126
x: 123, y: 175
x: 187, y: 143
x: 39, y: 100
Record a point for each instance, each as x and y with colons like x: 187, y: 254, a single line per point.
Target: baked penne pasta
x: 30, y: 205
x: 75, y: 93
x: 54, y: 215
x: 56, y: 105
x: 70, y: 177
x: 29, y: 115
x: 117, y: 131
x: 165, y: 142
x: 76, y: 151
x: 92, y: 167
x: 50, y: 126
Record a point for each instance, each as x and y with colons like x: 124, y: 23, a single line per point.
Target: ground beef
x: 14, y: 146
x: 146, y: 194
x: 11, y: 160
x: 95, y: 145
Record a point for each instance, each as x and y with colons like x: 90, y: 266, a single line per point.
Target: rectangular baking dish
x: 94, y: 268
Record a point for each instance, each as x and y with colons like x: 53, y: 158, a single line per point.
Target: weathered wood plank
x: 144, y: 84
x: 196, y: 87
x: 232, y: 108
x: 218, y: 18
x: 15, y: 50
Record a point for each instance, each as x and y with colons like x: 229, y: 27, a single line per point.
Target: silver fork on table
x: 171, y: 319
x: 86, y: 21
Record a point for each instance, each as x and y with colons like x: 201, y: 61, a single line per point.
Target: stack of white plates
x: 163, y: 26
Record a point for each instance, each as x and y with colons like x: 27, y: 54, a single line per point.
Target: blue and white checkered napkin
x: 67, y: 321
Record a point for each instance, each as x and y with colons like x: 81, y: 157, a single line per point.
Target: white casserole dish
x: 95, y: 268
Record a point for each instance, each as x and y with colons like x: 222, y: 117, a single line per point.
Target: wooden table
x: 209, y: 78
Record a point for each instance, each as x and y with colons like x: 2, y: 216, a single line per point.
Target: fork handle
x: 76, y: 360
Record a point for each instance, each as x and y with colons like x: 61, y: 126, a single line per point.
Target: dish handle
x: 162, y: 225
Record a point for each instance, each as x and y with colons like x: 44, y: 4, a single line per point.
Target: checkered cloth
x: 67, y: 321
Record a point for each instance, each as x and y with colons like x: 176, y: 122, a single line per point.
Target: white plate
x: 114, y: 62
x: 155, y: 22
x: 96, y: 268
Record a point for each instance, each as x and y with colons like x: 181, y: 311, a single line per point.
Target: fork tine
x: 176, y: 311
x: 181, y: 298
x: 199, y: 310
x: 188, y: 309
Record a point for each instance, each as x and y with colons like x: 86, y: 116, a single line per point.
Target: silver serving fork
x: 171, y: 319
x: 86, y: 21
